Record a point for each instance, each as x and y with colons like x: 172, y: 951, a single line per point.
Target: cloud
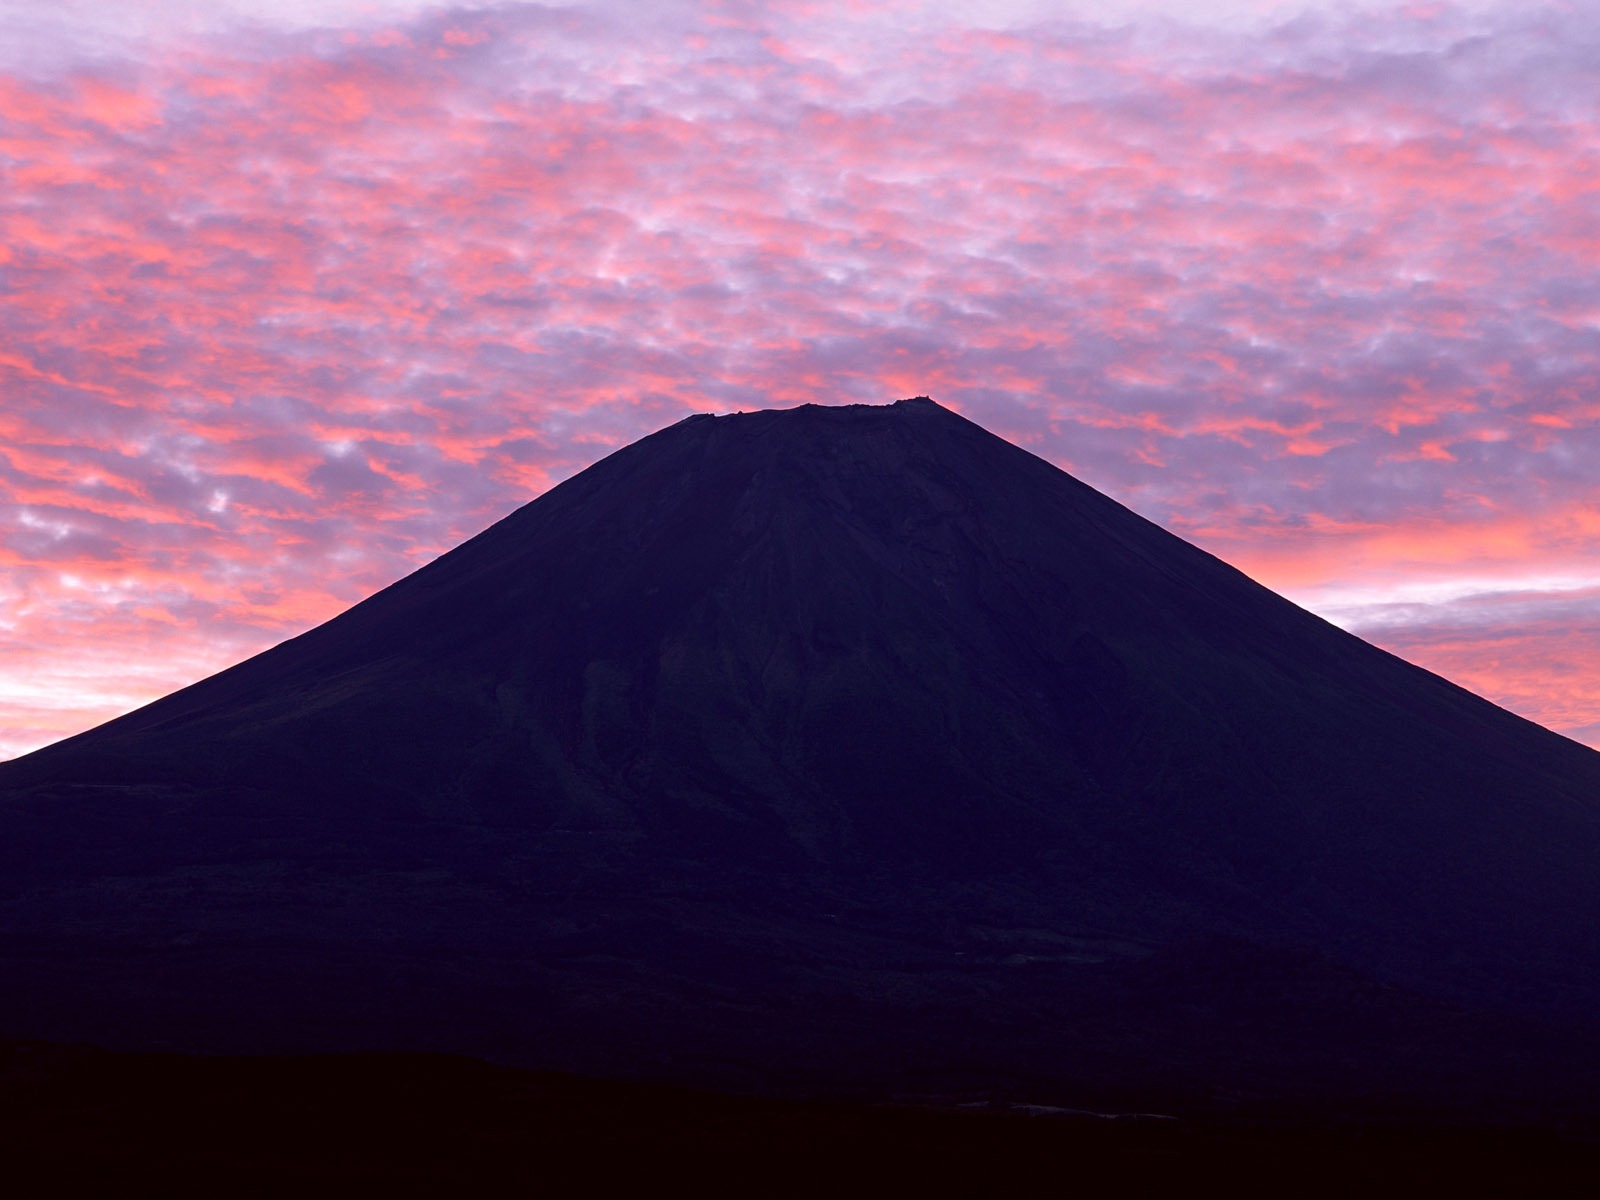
x: 287, y: 306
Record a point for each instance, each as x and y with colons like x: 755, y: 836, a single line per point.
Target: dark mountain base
x: 1206, y: 1027
x: 79, y: 1121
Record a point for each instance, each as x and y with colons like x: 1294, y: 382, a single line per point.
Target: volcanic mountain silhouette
x: 836, y: 746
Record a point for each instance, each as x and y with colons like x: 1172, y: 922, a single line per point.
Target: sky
x: 294, y: 296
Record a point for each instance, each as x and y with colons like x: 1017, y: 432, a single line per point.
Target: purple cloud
x: 287, y: 309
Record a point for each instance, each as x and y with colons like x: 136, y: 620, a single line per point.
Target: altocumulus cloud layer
x: 287, y: 308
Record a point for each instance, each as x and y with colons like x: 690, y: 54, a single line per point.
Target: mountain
x: 839, y: 747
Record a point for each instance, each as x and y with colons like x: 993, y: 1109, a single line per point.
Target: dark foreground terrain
x: 79, y: 1121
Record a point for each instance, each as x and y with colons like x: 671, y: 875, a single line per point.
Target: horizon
x: 293, y: 305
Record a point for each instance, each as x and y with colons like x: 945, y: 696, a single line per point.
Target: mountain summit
x: 835, y: 746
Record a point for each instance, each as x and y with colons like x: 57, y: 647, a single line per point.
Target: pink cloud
x: 282, y: 313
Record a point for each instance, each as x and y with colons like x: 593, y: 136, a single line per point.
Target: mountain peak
x: 762, y: 716
x: 840, y: 414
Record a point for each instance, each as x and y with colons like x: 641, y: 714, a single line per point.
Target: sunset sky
x: 296, y: 295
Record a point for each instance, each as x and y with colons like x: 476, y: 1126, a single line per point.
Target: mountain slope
x: 779, y: 725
